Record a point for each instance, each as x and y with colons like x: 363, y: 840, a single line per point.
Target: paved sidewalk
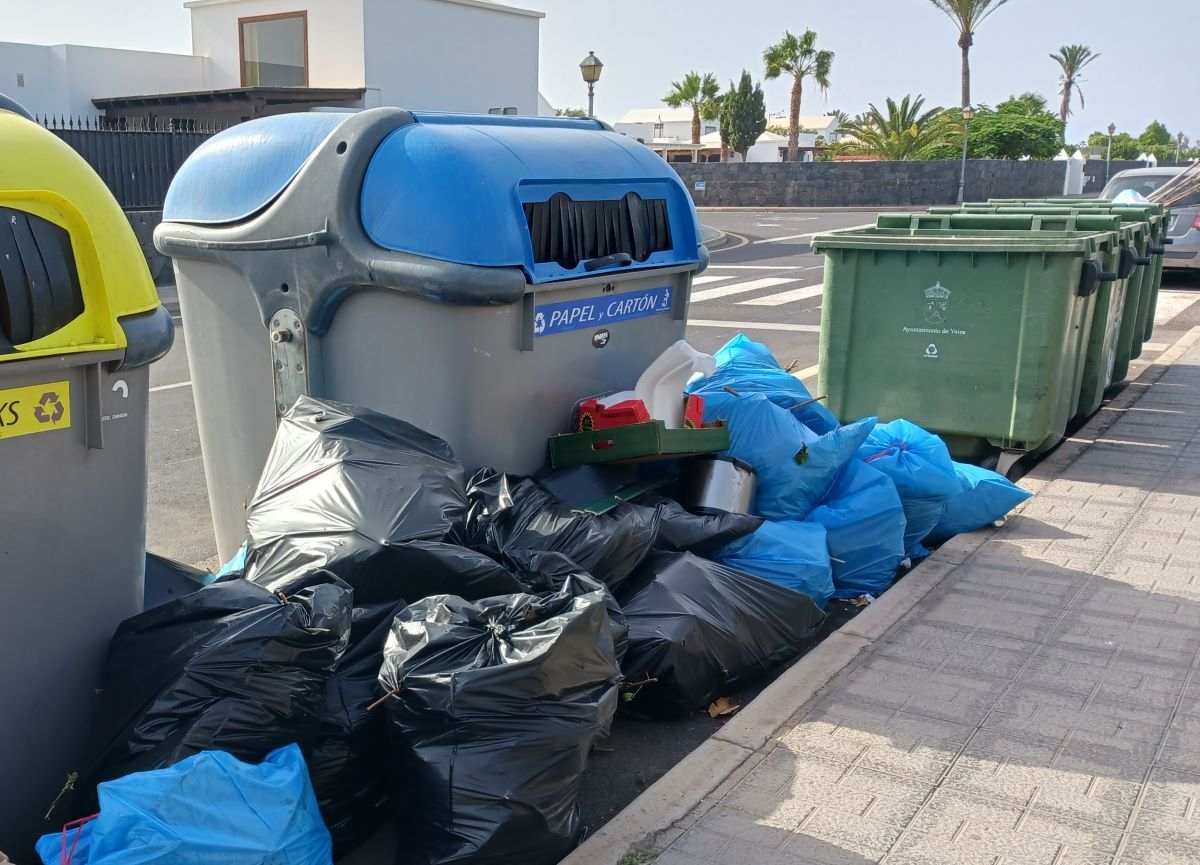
x: 1040, y: 704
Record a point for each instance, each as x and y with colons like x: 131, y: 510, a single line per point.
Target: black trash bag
x: 681, y: 531
x: 494, y: 707
x: 347, y: 764
x: 369, y: 497
x: 543, y: 573
x: 508, y: 513
x: 232, y: 667
x: 698, y: 628
x: 167, y: 579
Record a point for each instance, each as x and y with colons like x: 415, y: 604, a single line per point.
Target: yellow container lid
x: 70, y: 265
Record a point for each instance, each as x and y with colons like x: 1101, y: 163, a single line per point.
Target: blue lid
x: 454, y: 187
x: 457, y: 188
x: 255, y: 162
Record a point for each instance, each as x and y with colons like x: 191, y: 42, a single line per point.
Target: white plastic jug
x: 661, y: 386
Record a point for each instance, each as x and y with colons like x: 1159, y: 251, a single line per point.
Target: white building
x: 824, y: 126
x: 257, y: 57
x: 662, y: 125
x: 668, y: 132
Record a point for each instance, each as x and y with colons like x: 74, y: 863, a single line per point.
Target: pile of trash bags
x: 400, y: 642
x: 880, y: 491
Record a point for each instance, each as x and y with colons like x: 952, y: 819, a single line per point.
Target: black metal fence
x: 136, y: 157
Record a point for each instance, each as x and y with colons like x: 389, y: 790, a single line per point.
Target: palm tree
x: 905, y: 132
x: 798, y: 57
x: 1071, y: 59
x: 967, y: 15
x: 702, y: 94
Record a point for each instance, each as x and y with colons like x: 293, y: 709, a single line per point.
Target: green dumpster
x: 973, y: 334
x: 1135, y: 228
x: 1158, y: 217
x: 1099, y: 343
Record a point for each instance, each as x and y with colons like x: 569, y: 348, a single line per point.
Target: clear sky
x: 1150, y: 68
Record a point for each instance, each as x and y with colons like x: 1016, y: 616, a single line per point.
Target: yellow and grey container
x: 80, y: 322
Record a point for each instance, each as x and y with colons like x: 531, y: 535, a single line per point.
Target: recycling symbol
x: 539, y: 324
x: 49, y: 408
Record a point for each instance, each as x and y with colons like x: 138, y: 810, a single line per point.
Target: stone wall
x: 866, y: 184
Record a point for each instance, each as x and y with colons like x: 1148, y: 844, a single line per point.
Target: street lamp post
x: 590, y: 67
x: 967, y: 114
x: 1112, y: 130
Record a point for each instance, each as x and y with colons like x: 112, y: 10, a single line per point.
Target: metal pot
x: 717, y: 483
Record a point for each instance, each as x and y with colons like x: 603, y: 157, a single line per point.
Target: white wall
x: 96, y: 73
x: 43, y: 92
x: 675, y: 130
x: 64, y: 79
x: 335, y: 38
x: 451, y: 55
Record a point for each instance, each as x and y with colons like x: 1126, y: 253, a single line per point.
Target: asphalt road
x: 766, y: 281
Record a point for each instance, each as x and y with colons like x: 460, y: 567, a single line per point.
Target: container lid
x: 974, y: 241
x: 70, y: 266
x: 241, y: 170
x: 555, y: 197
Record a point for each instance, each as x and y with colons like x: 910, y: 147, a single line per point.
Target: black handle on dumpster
x: 617, y: 259
x: 1144, y: 260
x: 1157, y: 250
x: 1091, y: 278
x: 1167, y: 241
x: 1127, y: 263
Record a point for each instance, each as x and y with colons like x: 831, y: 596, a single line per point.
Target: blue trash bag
x: 208, y: 809
x: 749, y: 367
x: 236, y: 566
x: 789, y: 553
x: 795, y: 467
x: 919, y: 465
x: 864, y: 523
x: 983, y: 498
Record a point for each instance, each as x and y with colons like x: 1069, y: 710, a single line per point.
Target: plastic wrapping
x: 795, y: 466
x: 232, y: 667
x: 681, y: 531
x: 209, y: 809
x: 697, y: 627
x: 494, y: 708
x: 368, y: 497
x: 919, y: 465
x: 748, y: 367
x: 791, y: 554
x: 549, y: 572
x: 509, y: 514
x: 864, y: 524
x: 983, y: 498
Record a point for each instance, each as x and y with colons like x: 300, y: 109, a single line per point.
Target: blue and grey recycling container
x: 473, y: 275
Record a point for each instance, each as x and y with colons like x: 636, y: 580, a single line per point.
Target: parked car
x: 1184, y: 230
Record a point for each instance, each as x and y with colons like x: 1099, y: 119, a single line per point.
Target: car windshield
x: 1142, y: 184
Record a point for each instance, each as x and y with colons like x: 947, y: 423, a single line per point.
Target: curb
x: 713, y: 238
x: 729, y: 753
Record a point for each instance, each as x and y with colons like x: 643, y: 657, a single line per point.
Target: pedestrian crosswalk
x: 740, y: 288
x: 806, y: 292
x: 800, y: 290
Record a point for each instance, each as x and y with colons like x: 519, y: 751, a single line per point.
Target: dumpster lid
x: 557, y: 197
x: 254, y: 161
x: 73, y: 278
x: 548, y: 195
